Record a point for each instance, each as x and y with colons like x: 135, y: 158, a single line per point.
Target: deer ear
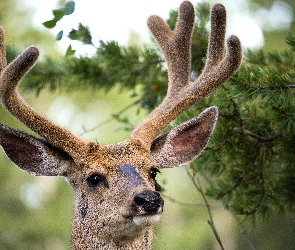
x: 185, y: 142
x: 33, y: 155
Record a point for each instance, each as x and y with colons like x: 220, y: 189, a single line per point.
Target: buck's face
x: 115, y: 185
x: 116, y: 191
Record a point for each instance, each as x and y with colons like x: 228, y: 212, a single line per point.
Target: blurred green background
x: 35, y: 212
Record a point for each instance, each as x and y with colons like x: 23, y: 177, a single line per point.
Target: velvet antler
x: 176, y: 45
x: 10, y: 77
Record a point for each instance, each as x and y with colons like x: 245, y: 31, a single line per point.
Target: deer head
x: 117, y: 196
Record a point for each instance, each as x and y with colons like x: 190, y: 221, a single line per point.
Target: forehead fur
x: 111, y: 156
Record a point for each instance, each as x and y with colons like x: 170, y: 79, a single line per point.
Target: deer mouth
x: 142, y: 215
x: 145, y: 217
x: 146, y: 220
x: 143, y: 220
x: 135, y: 225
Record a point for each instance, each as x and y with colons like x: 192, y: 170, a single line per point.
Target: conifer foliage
x: 249, y: 163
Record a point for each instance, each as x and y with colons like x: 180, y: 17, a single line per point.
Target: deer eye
x: 95, y: 179
x: 154, y: 172
x: 153, y: 175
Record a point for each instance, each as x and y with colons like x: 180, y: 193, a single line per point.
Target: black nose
x: 149, y: 201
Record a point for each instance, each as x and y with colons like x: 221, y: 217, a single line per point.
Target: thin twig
x: 195, y: 204
x: 224, y: 193
x: 110, y: 118
x: 259, y: 87
x: 242, y: 228
x: 262, y: 189
x: 258, y: 137
x: 210, y: 221
x: 244, y: 231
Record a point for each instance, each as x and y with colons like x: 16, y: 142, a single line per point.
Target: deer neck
x: 84, y: 238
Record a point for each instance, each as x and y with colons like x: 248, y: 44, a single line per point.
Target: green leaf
x: 70, y: 51
x: 58, y: 14
x: 69, y: 8
x: 49, y: 24
x: 73, y: 35
x: 82, y: 34
x: 85, y: 35
x: 59, y: 35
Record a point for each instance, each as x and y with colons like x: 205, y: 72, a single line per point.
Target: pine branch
x: 220, y: 195
x: 287, y: 86
x: 256, y: 136
x: 261, y: 193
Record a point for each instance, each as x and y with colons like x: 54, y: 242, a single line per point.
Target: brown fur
x: 117, y: 200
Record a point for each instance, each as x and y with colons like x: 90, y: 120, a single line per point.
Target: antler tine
x: 217, y: 36
x: 175, y: 45
x: 12, y: 101
x: 176, y: 48
x: 215, y: 76
x: 3, y: 61
x: 218, y: 68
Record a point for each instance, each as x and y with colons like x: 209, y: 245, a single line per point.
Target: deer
x: 117, y: 198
